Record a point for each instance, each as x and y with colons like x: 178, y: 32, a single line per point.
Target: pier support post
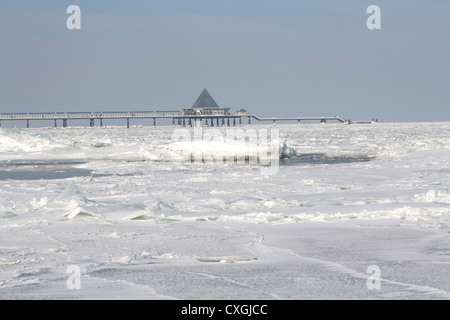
x: 91, y: 124
x: 28, y: 123
x: 154, y: 122
x: 64, y: 123
x: 101, y: 122
x: 240, y: 121
x: 249, y: 122
x: 234, y: 122
x: 128, y: 122
x: 56, y: 124
x: 228, y: 122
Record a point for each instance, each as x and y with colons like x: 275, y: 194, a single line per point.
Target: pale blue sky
x: 283, y: 57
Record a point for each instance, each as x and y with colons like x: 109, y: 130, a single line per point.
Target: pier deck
x: 178, y: 118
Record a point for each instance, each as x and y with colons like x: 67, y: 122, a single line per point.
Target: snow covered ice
x: 140, y: 224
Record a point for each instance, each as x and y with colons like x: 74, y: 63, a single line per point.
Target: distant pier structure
x: 205, y: 111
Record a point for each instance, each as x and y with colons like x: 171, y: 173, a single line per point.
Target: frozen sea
x: 116, y: 206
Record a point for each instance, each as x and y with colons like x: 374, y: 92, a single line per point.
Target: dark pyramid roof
x: 205, y: 100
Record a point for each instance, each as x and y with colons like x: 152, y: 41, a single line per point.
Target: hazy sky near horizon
x: 271, y: 57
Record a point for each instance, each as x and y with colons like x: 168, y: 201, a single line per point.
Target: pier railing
x: 88, y: 115
x: 177, y: 117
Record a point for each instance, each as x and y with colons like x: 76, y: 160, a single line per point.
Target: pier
x: 205, y: 112
x: 178, y: 118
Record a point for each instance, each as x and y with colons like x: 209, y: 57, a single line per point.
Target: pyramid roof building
x: 205, y: 105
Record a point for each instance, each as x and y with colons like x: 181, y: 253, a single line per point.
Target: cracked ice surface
x: 140, y: 224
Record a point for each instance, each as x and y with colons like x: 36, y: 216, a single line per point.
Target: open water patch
x: 40, y: 172
x: 323, y: 158
x: 45, y: 171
